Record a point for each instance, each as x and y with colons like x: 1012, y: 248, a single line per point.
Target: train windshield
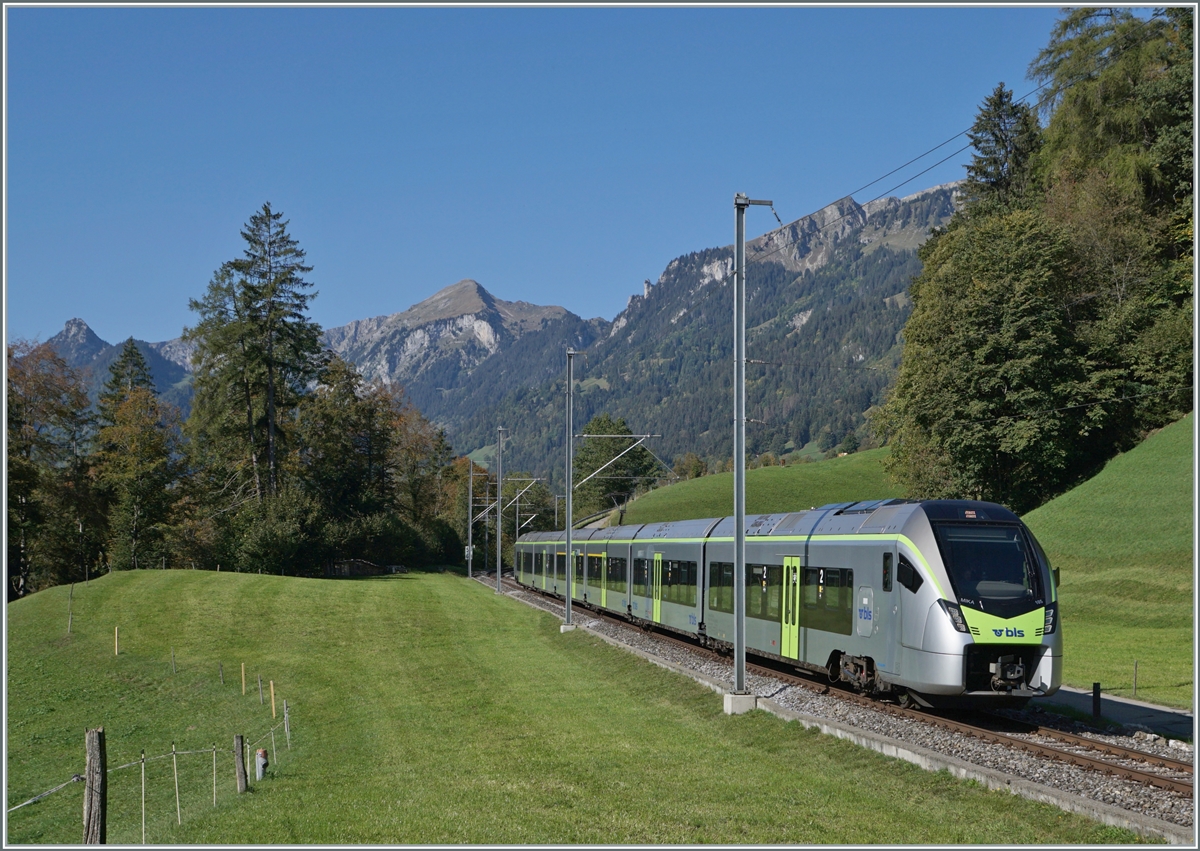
x: 993, y: 568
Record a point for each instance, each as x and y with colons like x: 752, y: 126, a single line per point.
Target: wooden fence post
x: 214, y: 774
x: 95, y: 792
x: 273, y: 696
x: 239, y: 767
x: 143, y: 796
x: 243, y: 679
x: 116, y: 641
x: 70, y: 597
x: 287, y: 725
x: 221, y: 671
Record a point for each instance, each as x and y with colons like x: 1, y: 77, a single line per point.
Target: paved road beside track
x: 1172, y: 723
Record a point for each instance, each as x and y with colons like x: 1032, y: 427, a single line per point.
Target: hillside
x: 770, y: 489
x: 826, y: 303
x: 427, y: 709
x: 1123, y: 544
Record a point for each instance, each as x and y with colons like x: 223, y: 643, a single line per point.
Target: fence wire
x: 75, y: 778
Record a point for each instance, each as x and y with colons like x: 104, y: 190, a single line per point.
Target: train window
x: 641, y: 578
x: 594, y: 564
x: 679, y: 582
x: 764, y: 586
x: 908, y: 575
x: 887, y: 571
x: 720, y: 586
x: 578, y: 569
x: 616, y: 575
x: 560, y: 567
x: 829, y: 599
x: 537, y: 564
x: 814, y: 588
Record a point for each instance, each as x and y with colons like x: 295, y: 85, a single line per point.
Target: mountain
x: 433, y: 346
x: 826, y: 305
x: 78, y: 345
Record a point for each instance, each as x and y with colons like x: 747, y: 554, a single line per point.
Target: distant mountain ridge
x: 827, y: 299
x: 463, y: 323
x: 78, y: 345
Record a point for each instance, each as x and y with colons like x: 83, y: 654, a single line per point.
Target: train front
x: 997, y: 621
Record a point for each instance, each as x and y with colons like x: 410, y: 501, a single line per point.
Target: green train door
x: 604, y: 580
x: 790, y: 641
x: 658, y: 587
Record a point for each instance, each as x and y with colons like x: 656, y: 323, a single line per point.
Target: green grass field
x: 770, y: 489
x: 428, y: 710
x: 1123, y: 544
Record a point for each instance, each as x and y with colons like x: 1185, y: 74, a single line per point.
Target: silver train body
x: 942, y: 603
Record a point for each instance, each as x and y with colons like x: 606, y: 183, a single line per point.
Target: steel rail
x: 1177, y: 785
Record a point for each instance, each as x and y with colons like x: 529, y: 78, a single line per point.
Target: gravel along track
x: 1125, y: 795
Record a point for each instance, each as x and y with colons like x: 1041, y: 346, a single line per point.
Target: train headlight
x: 1051, y: 618
x: 955, y: 614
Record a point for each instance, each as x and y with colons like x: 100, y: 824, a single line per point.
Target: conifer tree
x: 127, y: 372
x: 1005, y: 136
x: 270, y: 273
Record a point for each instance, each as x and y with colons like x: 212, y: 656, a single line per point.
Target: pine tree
x: 270, y: 272
x: 127, y: 372
x: 1005, y: 136
x: 257, y: 352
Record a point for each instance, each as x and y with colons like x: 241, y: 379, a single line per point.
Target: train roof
x: 838, y: 518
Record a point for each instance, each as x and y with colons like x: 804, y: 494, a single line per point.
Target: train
x: 933, y: 603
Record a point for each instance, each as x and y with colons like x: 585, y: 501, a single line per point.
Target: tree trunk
x: 95, y: 793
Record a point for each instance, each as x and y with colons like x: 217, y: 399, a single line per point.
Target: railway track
x: 1115, y: 760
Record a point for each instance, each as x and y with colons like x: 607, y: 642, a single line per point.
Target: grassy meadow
x: 1122, y: 542
x: 769, y: 489
x: 426, y: 709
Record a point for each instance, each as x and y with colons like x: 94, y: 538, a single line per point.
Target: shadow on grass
x: 409, y: 573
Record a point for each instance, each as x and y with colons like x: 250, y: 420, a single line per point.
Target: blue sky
x: 557, y: 156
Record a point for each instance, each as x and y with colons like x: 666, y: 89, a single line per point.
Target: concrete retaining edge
x: 932, y: 761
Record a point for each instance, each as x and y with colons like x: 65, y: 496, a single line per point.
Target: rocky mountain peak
x: 77, y: 343
x: 465, y: 298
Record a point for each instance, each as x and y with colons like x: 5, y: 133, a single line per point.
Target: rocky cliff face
x: 462, y: 324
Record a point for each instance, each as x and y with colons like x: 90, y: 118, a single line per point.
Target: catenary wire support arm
x: 641, y: 439
x: 532, y: 482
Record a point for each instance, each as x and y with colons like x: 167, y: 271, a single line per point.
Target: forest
x: 1052, y: 322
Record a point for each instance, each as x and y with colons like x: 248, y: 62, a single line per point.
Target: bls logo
x: 864, y: 614
x: 1008, y: 632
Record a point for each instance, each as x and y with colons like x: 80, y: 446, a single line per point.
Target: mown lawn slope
x: 770, y: 489
x: 1123, y: 544
x: 427, y: 709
